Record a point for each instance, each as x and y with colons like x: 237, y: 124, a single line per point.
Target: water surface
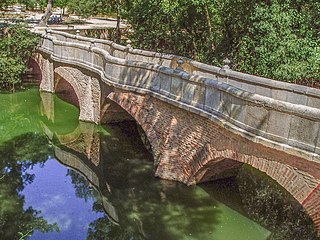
x: 61, y: 179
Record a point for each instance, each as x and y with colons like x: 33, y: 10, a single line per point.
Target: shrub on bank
x: 16, y: 46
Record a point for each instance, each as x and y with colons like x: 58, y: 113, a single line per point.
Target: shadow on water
x: 112, y: 173
x: 257, y: 196
x: 146, y: 208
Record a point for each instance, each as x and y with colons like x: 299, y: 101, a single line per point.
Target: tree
x: 5, y: 3
x: 16, y: 46
x: 276, y: 39
x: 86, y: 8
x: 32, y: 4
x: 189, y: 28
x: 62, y: 4
x: 280, y: 40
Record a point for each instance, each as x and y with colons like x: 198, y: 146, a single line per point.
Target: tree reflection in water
x: 272, y: 206
x: 145, y: 205
x: 263, y: 200
x: 17, y: 156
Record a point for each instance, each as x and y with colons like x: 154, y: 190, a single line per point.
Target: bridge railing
x: 117, y: 50
x: 283, y: 91
x: 272, y: 122
x: 263, y: 86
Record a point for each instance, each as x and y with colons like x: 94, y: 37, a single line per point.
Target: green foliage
x: 272, y: 38
x: 4, y: 3
x: 16, y: 46
x: 86, y: 8
x: 11, y: 70
x: 30, y: 4
x: 277, y: 39
x: 183, y: 27
x: 280, y: 42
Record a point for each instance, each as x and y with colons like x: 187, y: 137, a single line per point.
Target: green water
x: 61, y: 179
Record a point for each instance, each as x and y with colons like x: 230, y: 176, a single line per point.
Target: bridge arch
x: 86, y: 89
x: 193, y: 150
x: 211, y: 164
x: 66, y: 91
x: 177, y: 114
x: 34, y: 70
x: 136, y: 107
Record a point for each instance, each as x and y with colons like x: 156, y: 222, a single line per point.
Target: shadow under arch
x: 34, y: 73
x: 80, y: 88
x: 216, y: 164
x: 118, y: 107
x: 66, y: 90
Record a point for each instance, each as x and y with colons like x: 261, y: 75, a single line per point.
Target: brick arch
x: 190, y: 149
x: 34, y: 69
x: 66, y: 91
x: 87, y: 91
x: 139, y: 107
x: 211, y: 164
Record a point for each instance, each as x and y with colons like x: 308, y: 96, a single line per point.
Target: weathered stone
x: 47, y: 78
x: 279, y: 94
x: 212, y: 101
x: 263, y: 91
x: 248, y: 87
x: 188, y: 92
x: 314, y: 102
x: 279, y: 125
x: 199, y: 96
x: 303, y: 133
x: 257, y: 118
x: 165, y: 83
x: 235, y: 83
x: 238, y: 110
x: 176, y: 86
x: 297, y: 98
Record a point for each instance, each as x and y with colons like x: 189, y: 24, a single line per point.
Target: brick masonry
x: 192, y: 149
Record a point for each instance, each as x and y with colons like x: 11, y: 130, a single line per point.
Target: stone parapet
x: 278, y: 90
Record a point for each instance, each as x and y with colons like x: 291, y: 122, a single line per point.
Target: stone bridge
x: 202, y: 122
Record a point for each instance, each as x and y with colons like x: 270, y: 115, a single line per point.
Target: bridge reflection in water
x: 121, y: 171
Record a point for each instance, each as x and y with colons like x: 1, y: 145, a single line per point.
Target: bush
x: 16, y: 46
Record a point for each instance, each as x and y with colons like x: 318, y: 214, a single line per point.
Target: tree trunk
x: 118, y: 30
x: 210, y: 28
x: 47, y: 14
